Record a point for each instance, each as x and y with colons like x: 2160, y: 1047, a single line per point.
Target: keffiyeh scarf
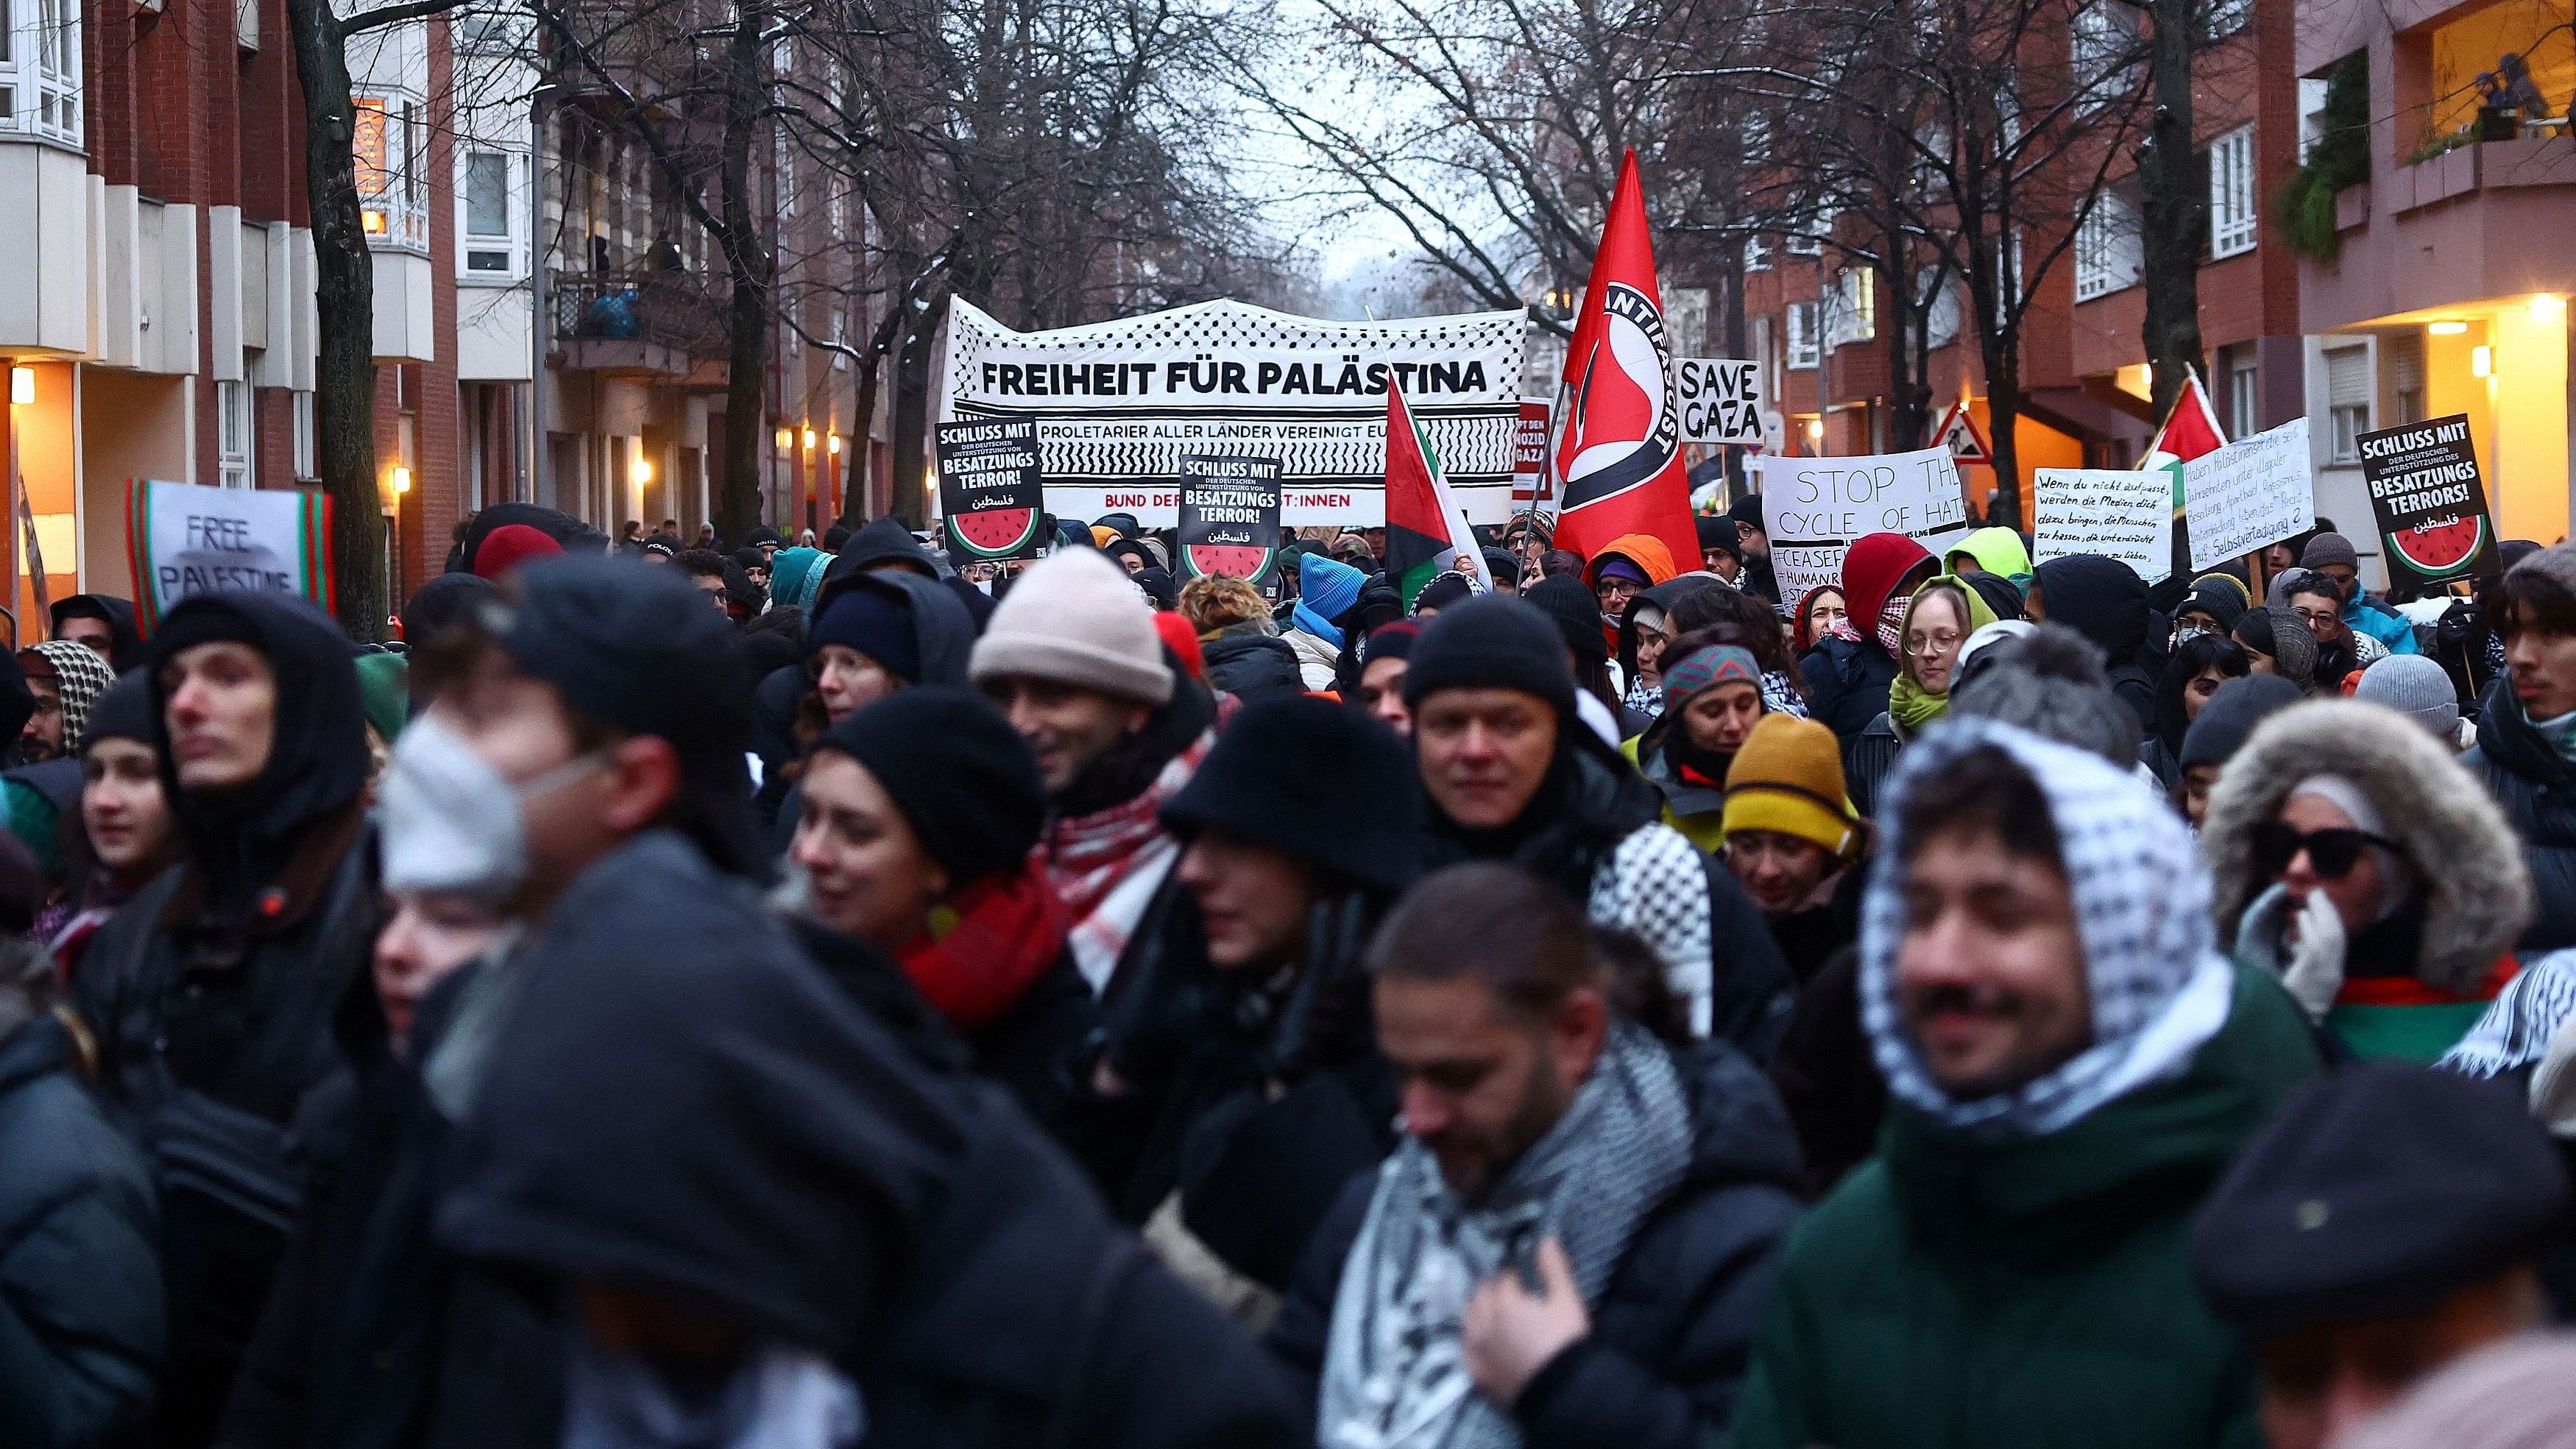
x: 1106, y: 866
x: 2142, y: 914
x: 1394, y: 1377
x: 2517, y: 1029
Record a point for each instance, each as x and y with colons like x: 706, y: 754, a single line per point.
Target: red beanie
x: 509, y: 546
x: 1182, y: 640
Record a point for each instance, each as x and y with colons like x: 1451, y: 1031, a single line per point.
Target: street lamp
x: 22, y: 386
x: 2481, y: 361
x: 401, y: 479
x: 641, y: 470
x: 786, y: 440
x: 809, y: 440
x: 834, y: 446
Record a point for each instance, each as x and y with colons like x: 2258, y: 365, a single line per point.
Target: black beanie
x: 123, y: 712
x: 2228, y: 717
x: 956, y: 769
x: 1576, y: 613
x: 2376, y: 1190
x: 1717, y: 531
x: 1748, y: 509
x: 1494, y: 642
x: 1391, y: 641
x: 1326, y: 784
x: 877, y: 623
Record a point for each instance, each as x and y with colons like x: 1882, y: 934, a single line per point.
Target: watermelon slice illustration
x: 1233, y: 560
x: 2439, y: 550
x: 994, y: 532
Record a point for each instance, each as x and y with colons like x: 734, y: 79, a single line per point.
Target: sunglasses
x: 2333, y: 852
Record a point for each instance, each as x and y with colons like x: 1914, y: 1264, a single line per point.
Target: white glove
x: 2315, y: 974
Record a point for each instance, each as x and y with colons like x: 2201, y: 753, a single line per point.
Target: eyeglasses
x: 2333, y: 852
x: 1927, y: 645
x: 2317, y: 616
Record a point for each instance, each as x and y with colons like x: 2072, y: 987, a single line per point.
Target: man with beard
x: 1073, y: 661
x: 1753, y: 545
x: 1512, y: 774
x: 1575, y: 1239
x: 2072, y: 1065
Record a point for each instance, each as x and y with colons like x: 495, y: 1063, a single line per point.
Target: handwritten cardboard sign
x: 185, y: 539
x: 2123, y: 515
x: 1814, y: 508
x: 2253, y: 492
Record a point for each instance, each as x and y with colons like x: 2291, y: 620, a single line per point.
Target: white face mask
x: 448, y: 821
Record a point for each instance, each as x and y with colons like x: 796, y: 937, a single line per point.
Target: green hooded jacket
x: 1997, y: 551
x: 1956, y: 1293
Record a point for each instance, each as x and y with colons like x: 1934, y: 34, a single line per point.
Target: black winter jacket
x: 373, y: 1333
x: 80, y: 1266
x: 1025, y: 1048
x: 1846, y: 685
x: 1673, y: 1329
x: 1253, y: 667
x: 2538, y: 792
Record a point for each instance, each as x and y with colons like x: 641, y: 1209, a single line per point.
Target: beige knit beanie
x: 1077, y: 619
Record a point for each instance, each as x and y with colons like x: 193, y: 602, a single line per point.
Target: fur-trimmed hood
x: 2477, y: 889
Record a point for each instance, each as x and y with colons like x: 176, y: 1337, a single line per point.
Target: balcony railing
x: 675, y: 309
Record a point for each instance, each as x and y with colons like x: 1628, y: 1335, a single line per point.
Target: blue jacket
x: 2367, y: 615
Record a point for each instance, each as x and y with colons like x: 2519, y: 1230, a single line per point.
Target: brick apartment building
x: 157, y: 284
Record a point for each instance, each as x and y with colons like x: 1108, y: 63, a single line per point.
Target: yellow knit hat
x: 1788, y: 779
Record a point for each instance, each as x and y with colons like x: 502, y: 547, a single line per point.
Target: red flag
x: 1616, y: 458
x: 2191, y: 428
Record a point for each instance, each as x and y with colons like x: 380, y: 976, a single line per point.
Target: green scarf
x: 1909, y: 704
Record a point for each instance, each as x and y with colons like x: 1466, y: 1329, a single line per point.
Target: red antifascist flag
x: 1616, y: 456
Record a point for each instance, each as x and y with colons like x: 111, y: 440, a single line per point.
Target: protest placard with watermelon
x: 991, y: 497
x: 2430, y: 502
x: 1229, y: 515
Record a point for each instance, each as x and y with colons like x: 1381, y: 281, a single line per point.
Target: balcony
x: 665, y: 324
x: 2483, y: 220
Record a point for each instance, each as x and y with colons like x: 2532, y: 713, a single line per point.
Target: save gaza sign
x: 1119, y: 405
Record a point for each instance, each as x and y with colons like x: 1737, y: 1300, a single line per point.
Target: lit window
x: 385, y: 145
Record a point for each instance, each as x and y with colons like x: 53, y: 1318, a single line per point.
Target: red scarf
x: 985, y: 945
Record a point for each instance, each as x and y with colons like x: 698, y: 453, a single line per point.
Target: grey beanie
x: 2050, y: 681
x: 2329, y: 548
x: 2417, y: 688
x: 2285, y: 638
x: 2556, y: 563
x: 1076, y: 619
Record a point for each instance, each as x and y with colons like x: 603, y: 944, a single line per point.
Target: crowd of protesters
x: 841, y: 992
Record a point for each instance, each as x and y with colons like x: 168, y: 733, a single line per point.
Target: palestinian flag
x: 2190, y: 431
x: 1425, y: 532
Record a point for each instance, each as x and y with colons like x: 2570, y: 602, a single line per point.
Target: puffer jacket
x: 1254, y: 666
x: 2537, y: 790
x: 81, y: 1318
x: 2366, y: 615
x: 1676, y: 1322
x: 1319, y: 660
x: 2029, y: 1292
x: 2415, y: 981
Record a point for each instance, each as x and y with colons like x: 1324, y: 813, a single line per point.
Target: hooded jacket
x: 1661, y: 598
x: 2104, y: 600
x: 125, y: 647
x: 1644, y: 550
x: 885, y: 542
x: 943, y: 636
x: 2537, y: 789
x: 1671, y: 1331
x: 214, y: 990
x: 1997, y: 551
x: 679, y: 1099
x: 81, y: 1322
x: 2474, y: 894
x: 2027, y: 1292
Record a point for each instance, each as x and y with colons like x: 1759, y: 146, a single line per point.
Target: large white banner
x: 1816, y: 508
x: 1119, y: 404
